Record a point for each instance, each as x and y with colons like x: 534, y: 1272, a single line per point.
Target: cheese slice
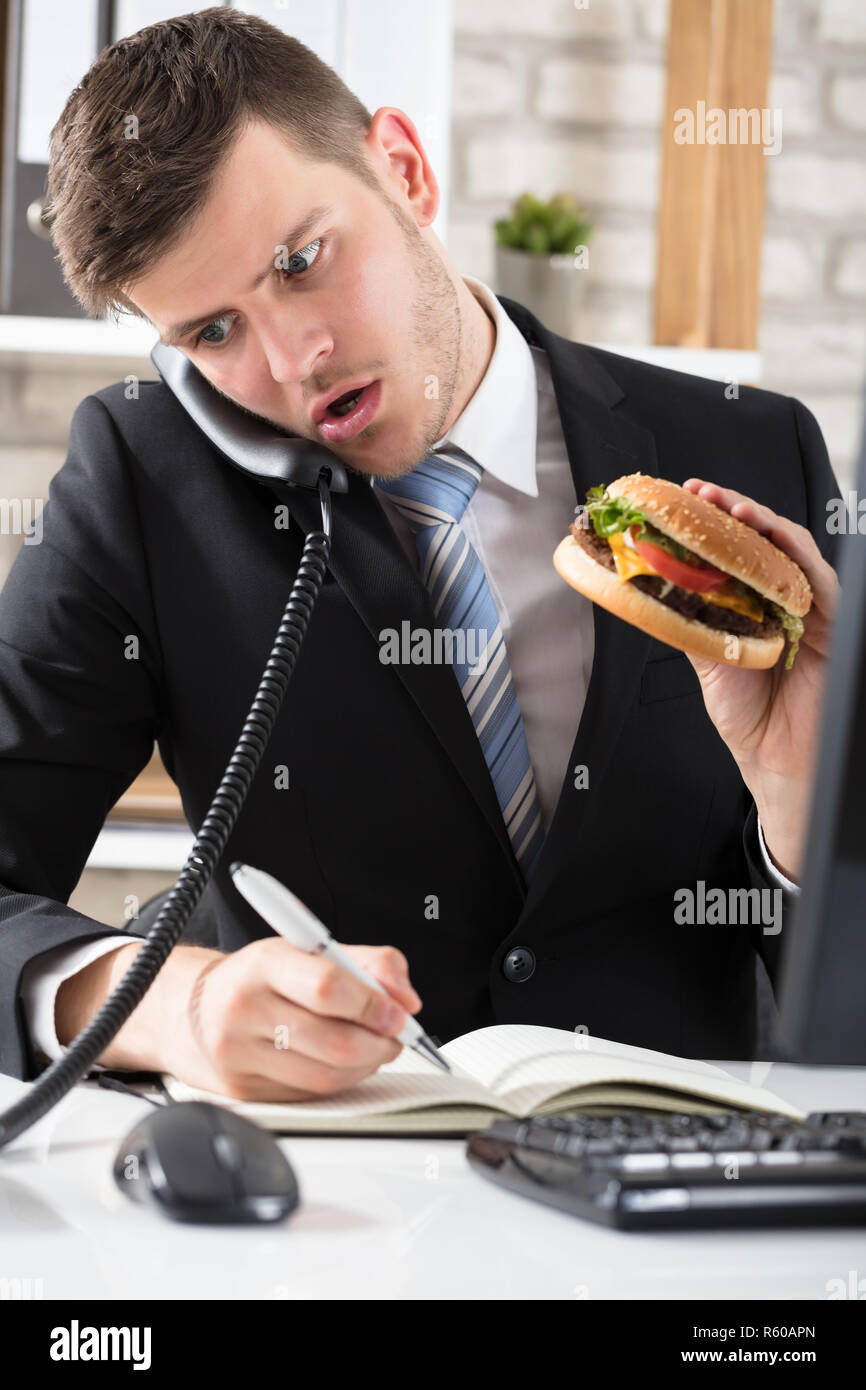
x: 741, y: 603
x: 629, y: 564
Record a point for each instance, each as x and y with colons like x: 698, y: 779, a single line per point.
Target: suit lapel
x: 602, y: 445
x: 371, y: 568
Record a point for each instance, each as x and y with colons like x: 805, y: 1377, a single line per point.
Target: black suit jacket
x: 149, y: 534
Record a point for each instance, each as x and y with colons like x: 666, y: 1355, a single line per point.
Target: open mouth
x: 350, y: 413
x: 343, y: 404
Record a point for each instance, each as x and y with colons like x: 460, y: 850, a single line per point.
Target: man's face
x: 369, y: 299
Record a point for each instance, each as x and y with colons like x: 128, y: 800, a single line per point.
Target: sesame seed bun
x: 719, y: 538
x: 604, y: 587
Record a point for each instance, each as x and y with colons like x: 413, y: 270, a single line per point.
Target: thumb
x: 391, y: 969
x: 702, y: 665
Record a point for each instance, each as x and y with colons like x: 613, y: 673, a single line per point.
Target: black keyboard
x: 639, y: 1172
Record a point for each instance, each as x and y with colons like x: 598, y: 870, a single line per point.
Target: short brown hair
x: 116, y: 204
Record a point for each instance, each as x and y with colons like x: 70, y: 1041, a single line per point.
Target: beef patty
x: 691, y: 605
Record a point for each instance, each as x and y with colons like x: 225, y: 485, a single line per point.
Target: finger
x: 325, y: 988
x: 702, y: 664
x: 795, y: 540
x: 762, y: 518
x: 333, y: 1041
x: 391, y: 969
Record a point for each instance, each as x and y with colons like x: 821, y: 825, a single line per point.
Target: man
x: 385, y: 802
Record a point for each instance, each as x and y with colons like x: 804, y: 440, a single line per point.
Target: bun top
x: 719, y: 538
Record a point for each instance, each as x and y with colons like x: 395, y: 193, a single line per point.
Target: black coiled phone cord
x: 63, y: 1074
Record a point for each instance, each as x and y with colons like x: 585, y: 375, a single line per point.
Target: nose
x: 293, y: 350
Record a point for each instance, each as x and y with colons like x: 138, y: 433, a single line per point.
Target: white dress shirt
x: 518, y: 514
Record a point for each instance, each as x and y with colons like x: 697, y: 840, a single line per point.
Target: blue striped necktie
x: 433, y: 498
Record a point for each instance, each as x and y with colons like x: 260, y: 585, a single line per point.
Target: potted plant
x: 542, y: 258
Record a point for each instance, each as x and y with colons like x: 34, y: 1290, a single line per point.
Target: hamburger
x: 685, y: 571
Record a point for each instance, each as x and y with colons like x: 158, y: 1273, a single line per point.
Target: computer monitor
x: 822, y: 1004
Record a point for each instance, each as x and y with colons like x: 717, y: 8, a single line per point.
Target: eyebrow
x: 296, y: 236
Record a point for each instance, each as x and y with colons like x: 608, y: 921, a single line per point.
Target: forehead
x: 260, y: 159
x: 262, y: 188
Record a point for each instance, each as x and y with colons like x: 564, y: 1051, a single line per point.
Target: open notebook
x: 509, y: 1069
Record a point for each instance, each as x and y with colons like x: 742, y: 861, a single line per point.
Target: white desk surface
x: 381, y: 1218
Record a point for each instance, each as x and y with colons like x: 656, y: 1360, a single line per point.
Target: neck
x: 478, y: 331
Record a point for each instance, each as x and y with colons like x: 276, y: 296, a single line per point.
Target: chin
x: 381, y: 462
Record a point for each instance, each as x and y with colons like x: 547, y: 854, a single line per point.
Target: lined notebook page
x: 527, y: 1064
x: 408, y: 1083
x: 524, y: 1065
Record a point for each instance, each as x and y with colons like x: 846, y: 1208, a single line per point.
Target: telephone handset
x: 262, y: 452
x: 249, y: 443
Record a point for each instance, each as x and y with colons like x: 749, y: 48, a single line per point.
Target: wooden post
x: 711, y: 211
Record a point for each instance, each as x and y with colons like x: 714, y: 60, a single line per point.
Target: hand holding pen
x: 288, y: 916
x: 269, y: 1022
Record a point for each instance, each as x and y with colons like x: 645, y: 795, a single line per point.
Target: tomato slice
x: 700, y: 579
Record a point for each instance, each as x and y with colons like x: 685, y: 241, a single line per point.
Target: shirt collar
x: 498, y: 425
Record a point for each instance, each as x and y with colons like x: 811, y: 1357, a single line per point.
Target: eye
x: 297, y: 265
x: 297, y: 262
x: 201, y: 336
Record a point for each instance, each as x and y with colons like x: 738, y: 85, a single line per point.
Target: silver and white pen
x: 288, y: 916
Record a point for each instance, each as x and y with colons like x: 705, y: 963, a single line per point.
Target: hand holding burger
x: 726, y: 580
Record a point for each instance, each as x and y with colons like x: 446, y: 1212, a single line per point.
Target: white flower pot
x: 552, y: 287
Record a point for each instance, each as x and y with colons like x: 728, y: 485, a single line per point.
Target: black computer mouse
x: 202, y: 1162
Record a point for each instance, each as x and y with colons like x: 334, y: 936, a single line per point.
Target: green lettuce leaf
x: 612, y: 514
x: 793, y: 627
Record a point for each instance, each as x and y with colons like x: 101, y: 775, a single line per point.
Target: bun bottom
x: 590, y: 578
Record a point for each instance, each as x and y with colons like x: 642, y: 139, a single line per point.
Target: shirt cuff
x: 776, y: 875
x: 42, y: 977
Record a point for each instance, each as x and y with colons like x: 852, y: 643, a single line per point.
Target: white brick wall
x: 548, y: 19
x: 841, y: 21
x: 790, y: 268
x: 621, y: 257
x: 816, y: 184
x: 796, y: 95
x: 609, y: 94
x: 501, y: 166
x: 849, y: 279
x: 848, y: 100
x: 485, y: 86
x: 812, y: 326
x: 551, y: 97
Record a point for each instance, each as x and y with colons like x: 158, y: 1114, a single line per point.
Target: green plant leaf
x: 557, y: 226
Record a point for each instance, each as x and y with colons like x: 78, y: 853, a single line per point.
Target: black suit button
x: 519, y: 964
